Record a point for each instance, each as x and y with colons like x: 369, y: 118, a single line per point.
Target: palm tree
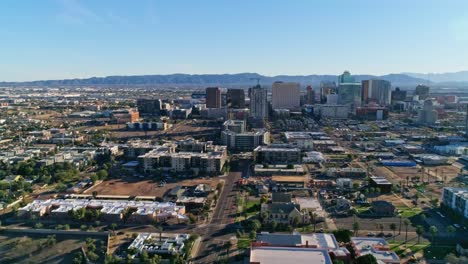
x: 304, y: 213
x: 355, y: 228
x: 406, y: 222
x: 313, y: 219
x: 419, y: 231
x: 393, y: 227
x: 450, y: 229
x: 433, y: 231
x: 159, y: 228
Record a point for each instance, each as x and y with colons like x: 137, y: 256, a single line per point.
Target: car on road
x: 370, y: 234
x: 388, y: 235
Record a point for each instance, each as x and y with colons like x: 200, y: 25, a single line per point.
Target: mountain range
x: 404, y: 80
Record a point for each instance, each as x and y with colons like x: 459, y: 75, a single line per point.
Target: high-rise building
x: 427, y: 115
x: 346, y: 78
x: 310, y: 95
x: 349, y: 91
x: 377, y: 91
x: 258, y: 102
x: 235, y: 98
x: 149, y: 106
x: 213, y: 97
x: 285, y: 95
x: 422, y: 91
x: 326, y: 88
x: 398, y: 95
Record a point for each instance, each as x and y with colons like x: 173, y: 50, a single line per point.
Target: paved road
x: 216, y: 233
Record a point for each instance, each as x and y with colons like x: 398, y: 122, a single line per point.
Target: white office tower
x: 427, y: 115
x: 285, y: 95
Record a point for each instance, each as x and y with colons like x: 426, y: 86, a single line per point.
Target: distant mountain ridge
x: 239, y: 79
x: 461, y: 76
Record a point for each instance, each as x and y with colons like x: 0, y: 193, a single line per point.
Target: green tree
x: 406, y: 222
x: 393, y: 227
x: 433, y: 230
x: 419, y: 232
x: 366, y: 259
x: 356, y: 228
x: 450, y: 229
x: 102, y: 174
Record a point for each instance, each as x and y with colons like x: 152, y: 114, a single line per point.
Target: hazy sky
x: 54, y: 39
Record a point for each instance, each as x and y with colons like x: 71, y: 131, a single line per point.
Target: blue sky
x: 55, y: 39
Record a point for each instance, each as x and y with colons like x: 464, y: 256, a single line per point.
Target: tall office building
x: 346, y: 77
x: 213, y: 97
x: 149, y: 106
x: 235, y: 98
x: 285, y: 95
x: 310, y: 95
x: 422, y: 91
x: 377, y: 91
x: 326, y: 88
x: 349, y: 91
x: 258, y: 102
x: 398, y: 95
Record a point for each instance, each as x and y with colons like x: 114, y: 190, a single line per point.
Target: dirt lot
x: 137, y: 187
x: 24, y: 249
x: 397, y: 174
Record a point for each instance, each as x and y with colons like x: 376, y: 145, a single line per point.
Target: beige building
x: 285, y: 95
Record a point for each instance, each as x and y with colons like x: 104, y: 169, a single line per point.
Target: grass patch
x: 429, y: 251
x: 438, y: 252
x: 243, y: 243
x: 407, y: 212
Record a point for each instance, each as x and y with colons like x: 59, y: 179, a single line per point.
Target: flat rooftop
x: 281, y: 255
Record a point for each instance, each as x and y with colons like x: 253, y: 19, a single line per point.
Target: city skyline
x: 79, y: 39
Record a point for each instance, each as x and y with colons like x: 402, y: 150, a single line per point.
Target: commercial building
x: 207, y: 162
x: 382, y: 183
x: 111, y: 210
x: 280, y: 255
x: 285, y: 95
x: 161, y: 245
x: 237, y: 126
x: 147, y: 126
x: 377, y: 91
x: 304, y: 140
x: 456, y: 199
x: 277, y: 155
x: 331, y: 111
x: 258, y: 102
x: 375, y: 246
x: 326, y: 88
x: 149, y: 106
x: 245, y: 141
x: 427, y: 115
x: 124, y: 116
x: 372, y: 113
x: 349, y: 91
x: 398, y: 95
x: 235, y: 98
x: 310, y: 95
x: 422, y: 91
x: 213, y: 97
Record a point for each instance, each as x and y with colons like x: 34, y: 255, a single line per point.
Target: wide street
x: 216, y: 233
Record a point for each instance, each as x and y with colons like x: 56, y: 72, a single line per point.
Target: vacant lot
x: 25, y: 249
x: 137, y: 187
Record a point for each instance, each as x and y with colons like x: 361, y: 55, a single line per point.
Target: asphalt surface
x: 217, y: 232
